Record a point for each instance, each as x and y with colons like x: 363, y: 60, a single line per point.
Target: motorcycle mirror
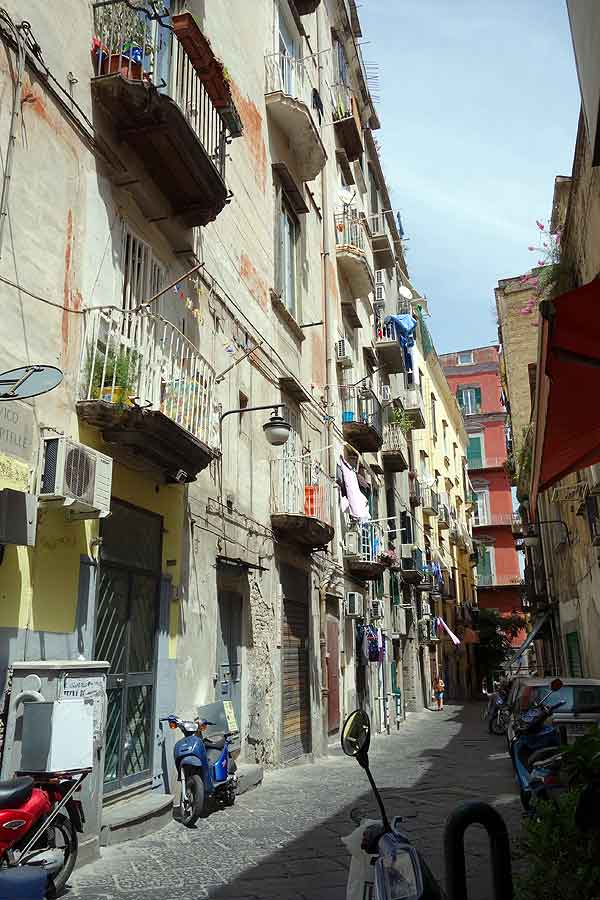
x: 356, y: 733
x: 556, y: 684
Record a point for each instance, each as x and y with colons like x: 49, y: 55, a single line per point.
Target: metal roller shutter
x: 296, y: 731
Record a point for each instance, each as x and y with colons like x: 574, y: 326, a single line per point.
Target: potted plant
x: 126, y: 42
x: 121, y: 370
x: 389, y: 558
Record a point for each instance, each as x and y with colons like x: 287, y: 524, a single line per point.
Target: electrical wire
x: 23, y: 290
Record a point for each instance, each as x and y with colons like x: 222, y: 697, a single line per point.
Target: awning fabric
x: 567, y: 436
x: 539, y: 624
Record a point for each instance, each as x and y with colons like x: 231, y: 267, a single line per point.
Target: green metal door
x: 126, y: 624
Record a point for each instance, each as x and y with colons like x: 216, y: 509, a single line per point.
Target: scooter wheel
x: 60, y: 837
x: 195, y: 803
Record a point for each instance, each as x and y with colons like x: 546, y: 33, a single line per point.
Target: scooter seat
x: 15, y: 792
x: 217, y: 744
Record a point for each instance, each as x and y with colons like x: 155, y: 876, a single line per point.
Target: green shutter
x: 475, y: 452
x: 460, y: 399
x: 478, y: 399
x: 484, y: 564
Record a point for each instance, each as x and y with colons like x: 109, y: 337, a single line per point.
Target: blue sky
x: 479, y: 106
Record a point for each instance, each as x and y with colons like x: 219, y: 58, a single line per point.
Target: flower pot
x: 121, y: 64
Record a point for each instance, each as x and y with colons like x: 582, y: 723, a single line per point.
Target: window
x: 433, y: 416
x: 482, y: 507
x: 143, y: 275
x: 288, y: 52
x: 469, y: 400
x: 340, y: 62
x: 288, y: 253
x: 445, y: 438
x: 475, y: 451
x: 465, y: 358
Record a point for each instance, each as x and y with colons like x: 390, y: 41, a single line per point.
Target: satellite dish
x: 405, y: 292
x: 29, y: 381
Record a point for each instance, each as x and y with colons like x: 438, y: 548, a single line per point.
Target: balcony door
x: 482, y: 510
x: 292, y: 470
x: 486, y: 566
x: 288, y: 53
x: 475, y: 451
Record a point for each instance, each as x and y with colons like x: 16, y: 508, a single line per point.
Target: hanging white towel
x: 453, y: 637
x: 357, y: 502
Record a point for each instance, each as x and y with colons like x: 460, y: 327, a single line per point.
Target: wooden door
x: 296, y: 731
x: 333, y: 674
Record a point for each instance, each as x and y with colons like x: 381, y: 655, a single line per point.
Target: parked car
x: 581, y: 705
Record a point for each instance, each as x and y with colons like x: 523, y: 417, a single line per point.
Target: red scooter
x: 35, y: 831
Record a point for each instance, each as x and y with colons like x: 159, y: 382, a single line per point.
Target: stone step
x: 134, y: 817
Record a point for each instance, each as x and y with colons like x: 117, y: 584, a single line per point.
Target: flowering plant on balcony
x: 389, y: 558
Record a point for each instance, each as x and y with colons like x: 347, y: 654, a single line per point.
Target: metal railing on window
x: 143, y: 356
x: 128, y: 43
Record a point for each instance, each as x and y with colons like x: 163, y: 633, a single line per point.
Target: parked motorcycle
x: 205, y: 768
x: 39, y: 823
x: 498, y: 713
x: 535, y: 739
x: 400, y: 871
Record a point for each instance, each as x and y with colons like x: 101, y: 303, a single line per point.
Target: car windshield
x: 575, y: 698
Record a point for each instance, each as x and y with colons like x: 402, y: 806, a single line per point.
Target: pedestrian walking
x: 438, y: 691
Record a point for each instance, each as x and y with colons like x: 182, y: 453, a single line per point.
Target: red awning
x: 567, y: 435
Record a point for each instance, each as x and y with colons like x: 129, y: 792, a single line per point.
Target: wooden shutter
x: 477, y: 399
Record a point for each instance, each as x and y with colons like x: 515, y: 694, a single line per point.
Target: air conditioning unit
x: 354, y: 604
x: 343, y: 353
x: 352, y: 544
x: 386, y: 393
x: 376, y: 609
x: 76, y: 477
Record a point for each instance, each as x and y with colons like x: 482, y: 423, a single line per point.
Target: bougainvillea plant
x: 548, y: 247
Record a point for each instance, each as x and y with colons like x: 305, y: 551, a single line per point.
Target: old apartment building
x: 250, y: 484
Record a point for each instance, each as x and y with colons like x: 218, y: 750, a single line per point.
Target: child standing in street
x: 438, y: 691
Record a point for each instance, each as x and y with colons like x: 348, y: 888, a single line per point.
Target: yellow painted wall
x: 39, y: 585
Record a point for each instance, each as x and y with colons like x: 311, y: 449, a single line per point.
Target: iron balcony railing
x: 394, y: 439
x: 493, y: 519
x: 431, y: 500
x: 412, y: 397
x: 140, y: 355
x: 301, y: 487
x: 412, y: 559
x: 378, y: 226
x: 342, y: 100
x: 365, y: 543
x: 290, y: 76
x: 491, y: 580
x: 490, y: 462
x: 403, y: 307
x: 385, y: 333
x: 350, y: 231
x: 361, y: 405
x: 127, y: 42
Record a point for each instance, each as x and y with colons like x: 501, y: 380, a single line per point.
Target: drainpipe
x: 330, y: 374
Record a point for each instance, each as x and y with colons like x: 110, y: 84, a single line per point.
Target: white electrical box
x: 58, y: 736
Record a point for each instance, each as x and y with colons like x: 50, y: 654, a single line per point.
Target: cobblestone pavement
x: 283, y: 839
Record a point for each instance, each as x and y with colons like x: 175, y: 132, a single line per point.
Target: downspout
x: 330, y: 374
x: 13, y: 128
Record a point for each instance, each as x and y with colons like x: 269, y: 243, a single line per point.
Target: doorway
x: 333, y: 674
x: 229, y: 650
x: 127, y: 607
x: 296, y: 727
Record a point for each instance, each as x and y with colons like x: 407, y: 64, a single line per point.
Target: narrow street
x: 283, y: 839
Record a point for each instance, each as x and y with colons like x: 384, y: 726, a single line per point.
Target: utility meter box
x: 58, y: 736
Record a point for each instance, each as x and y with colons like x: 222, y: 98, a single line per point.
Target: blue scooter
x: 534, y: 740
x: 204, y: 767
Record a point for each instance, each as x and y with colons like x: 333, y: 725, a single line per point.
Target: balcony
x: 430, y: 503
x: 301, y: 495
x: 415, y: 491
x: 381, y: 241
x: 352, y: 254
x: 395, y: 449
x: 346, y: 121
x: 414, y: 407
x: 412, y: 564
x: 362, y: 551
x: 491, y: 580
x: 362, y: 419
x: 491, y: 520
x: 169, y: 102
x: 149, y: 390
x: 389, y: 349
x: 490, y: 462
x: 289, y: 99
x: 454, y: 532
x: 443, y: 515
